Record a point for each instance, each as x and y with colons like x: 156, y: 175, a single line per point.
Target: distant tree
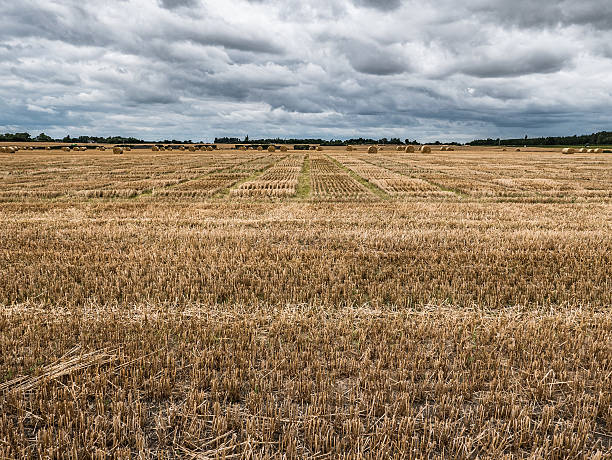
x: 42, y: 137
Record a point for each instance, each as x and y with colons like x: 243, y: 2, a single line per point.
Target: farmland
x: 312, y: 304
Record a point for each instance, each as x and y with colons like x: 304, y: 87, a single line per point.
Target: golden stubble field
x: 306, y: 304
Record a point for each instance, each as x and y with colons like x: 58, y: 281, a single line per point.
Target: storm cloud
x: 196, y: 69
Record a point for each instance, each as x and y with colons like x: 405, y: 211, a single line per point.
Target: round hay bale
x: 598, y: 151
x: 3, y: 150
x: 582, y: 150
x: 409, y: 149
x: 568, y: 151
x: 66, y: 149
x: 517, y: 150
x: 271, y: 149
x: 283, y: 148
x: 117, y: 150
x: 372, y: 149
x: 192, y: 148
x: 591, y: 151
x: 450, y: 149
x: 319, y: 148
x: 442, y: 149
x: 182, y: 147
x: 349, y: 148
x: 260, y: 148
x: 47, y: 148
x: 209, y: 148
x: 312, y: 147
x: 155, y: 148
x: 425, y: 149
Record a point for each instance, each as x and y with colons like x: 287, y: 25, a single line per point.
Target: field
x: 317, y: 304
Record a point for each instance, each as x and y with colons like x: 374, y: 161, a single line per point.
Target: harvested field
x: 334, y: 304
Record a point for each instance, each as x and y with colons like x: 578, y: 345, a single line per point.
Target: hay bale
x: 271, y: 149
x: 409, y: 149
x: 568, y: 151
x: 319, y: 148
x: 598, y: 151
x: 349, y: 148
x: 155, y: 148
x: 312, y: 147
x: 442, y: 149
x: 450, y: 149
x: 372, y: 149
x: 517, y: 150
x: 283, y: 148
x: 47, y: 148
x: 582, y: 150
x: 192, y: 148
x: 66, y: 149
x: 3, y: 150
x: 117, y: 150
x: 209, y: 148
x: 260, y: 148
x: 591, y: 151
x: 425, y: 149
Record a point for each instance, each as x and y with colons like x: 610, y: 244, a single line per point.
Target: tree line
x: 600, y: 138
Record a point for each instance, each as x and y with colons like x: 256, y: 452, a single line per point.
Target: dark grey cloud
x: 172, y: 4
x: 511, y: 66
x: 334, y: 68
x: 383, y: 5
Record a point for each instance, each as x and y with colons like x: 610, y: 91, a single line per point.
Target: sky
x: 446, y: 70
